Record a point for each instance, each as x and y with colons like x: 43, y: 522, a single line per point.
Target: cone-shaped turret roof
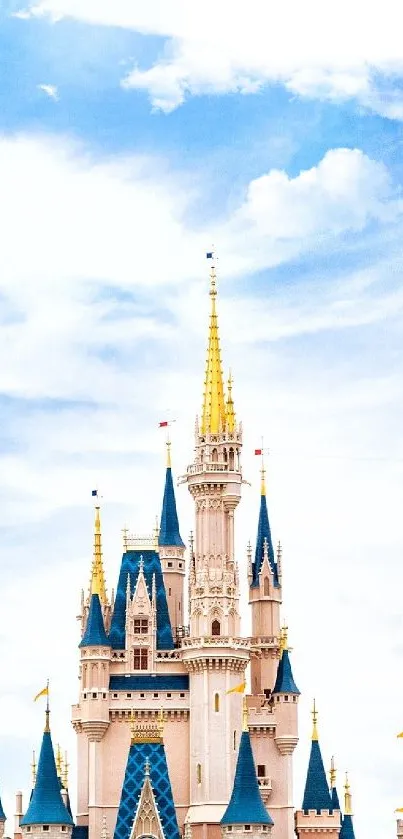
x: 95, y: 635
x: 2, y: 813
x: 285, y: 680
x: 46, y: 805
x: 169, y: 534
x: 263, y: 536
x: 316, y: 795
x: 246, y: 805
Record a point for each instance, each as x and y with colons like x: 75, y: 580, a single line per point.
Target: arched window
x: 216, y: 702
x: 231, y: 458
x: 215, y: 627
x: 234, y: 741
x: 214, y: 456
x: 266, y: 587
x: 199, y: 773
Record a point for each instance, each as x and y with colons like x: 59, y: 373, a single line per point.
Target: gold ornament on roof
x: 214, y: 409
x: 315, y: 735
x: 97, y: 574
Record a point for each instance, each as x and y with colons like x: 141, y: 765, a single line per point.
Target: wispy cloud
x: 50, y: 90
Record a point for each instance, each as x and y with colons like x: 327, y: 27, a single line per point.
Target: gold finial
x: 245, y: 726
x: 230, y: 411
x: 214, y: 410
x: 168, y: 445
x: 47, y: 712
x: 348, y: 810
x: 332, y: 773
x: 33, y: 767
x: 314, y: 712
x: 59, y: 761
x: 147, y: 767
x: 66, y: 772
x: 283, y: 638
x: 97, y: 575
x: 125, y: 531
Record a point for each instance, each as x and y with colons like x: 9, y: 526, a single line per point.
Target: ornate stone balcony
x: 216, y: 641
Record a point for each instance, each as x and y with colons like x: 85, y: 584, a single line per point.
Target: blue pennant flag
x: 209, y: 255
x: 94, y: 493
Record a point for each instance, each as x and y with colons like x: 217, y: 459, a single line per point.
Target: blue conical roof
x: 95, y: 635
x: 154, y: 755
x: 316, y: 795
x: 347, y: 828
x: 169, y: 529
x: 263, y: 534
x: 2, y: 813
x: 46, y: 805
x: 285, y: 680
x: 335, y: 799
x: 246, y: 805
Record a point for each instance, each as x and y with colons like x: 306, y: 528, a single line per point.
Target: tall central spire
x: 214, y: 412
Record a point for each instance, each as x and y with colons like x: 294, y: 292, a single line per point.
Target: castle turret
x: 246, y: 815
x: 214, y: 655
x: 93, y: 719
x: 265, y: 598
x: 317, y: 815
x: 46, y: 810
x: 171, y: 551
x: 347, y: 828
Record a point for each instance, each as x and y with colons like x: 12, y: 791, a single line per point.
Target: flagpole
x: 47, y: 726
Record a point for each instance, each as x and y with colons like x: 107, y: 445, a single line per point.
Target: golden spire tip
x: 332, y: 773
x: 314, y: 712
x: 97, y: 574
x: 168, y: 445
x: 245, y: 726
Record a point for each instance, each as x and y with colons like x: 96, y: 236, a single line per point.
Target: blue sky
x: 132, y: 136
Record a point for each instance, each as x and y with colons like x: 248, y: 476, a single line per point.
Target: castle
x: 170, y: 742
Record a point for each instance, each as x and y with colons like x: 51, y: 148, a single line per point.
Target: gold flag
x: 238, y: 688
x: 44, y: 692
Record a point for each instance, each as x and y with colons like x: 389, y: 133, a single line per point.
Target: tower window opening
x: 94, y: 695
x: 45, y: 827
x: 286, y: 699
x: 231, y: 461
x: 199, y: 773
x: 169, y: 592
x: 234, y: 741
x: 261, y: 770
x: 140, y: 658
x: 247, y: 827
x: 182, y: 695
x: 140, y: 626
x: 266, y: 587
x: 215, y: 627
x: 128, y: 696
x: 115, y: 696
x: 170, y: 565
x: 179, y: 565
x: 216, y: 702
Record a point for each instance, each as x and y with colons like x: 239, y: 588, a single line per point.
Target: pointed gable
x: 246, y: 805
x: 285, y: 680
x: 169, y: 534
x: 147, y: 821
x: 152, y: 753
x: 95, y: 635
x: 316, y: 795
x: 347, y: 828
x: 130, y: 569
x: 46, y: 805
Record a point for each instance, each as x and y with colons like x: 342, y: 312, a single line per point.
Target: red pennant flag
x: 258, y: 451
x: 163, y: 424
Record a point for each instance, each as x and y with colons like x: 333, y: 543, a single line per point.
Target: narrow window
x: 170, y: 565
x: 216, y: 702
x: 140, y: 626
x: 261, y: 770
x: 266, y: 587
x: 215, y: 628
x: 140, y: 658
x: 234, y: 741
x: 199, y: 773
x: 169, y: 592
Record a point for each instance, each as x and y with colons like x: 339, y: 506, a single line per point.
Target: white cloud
x: 101, y: 270
x: 50, y: 90
x: 315, y: 50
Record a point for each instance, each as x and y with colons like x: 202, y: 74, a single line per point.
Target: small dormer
x: 140, y: 624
